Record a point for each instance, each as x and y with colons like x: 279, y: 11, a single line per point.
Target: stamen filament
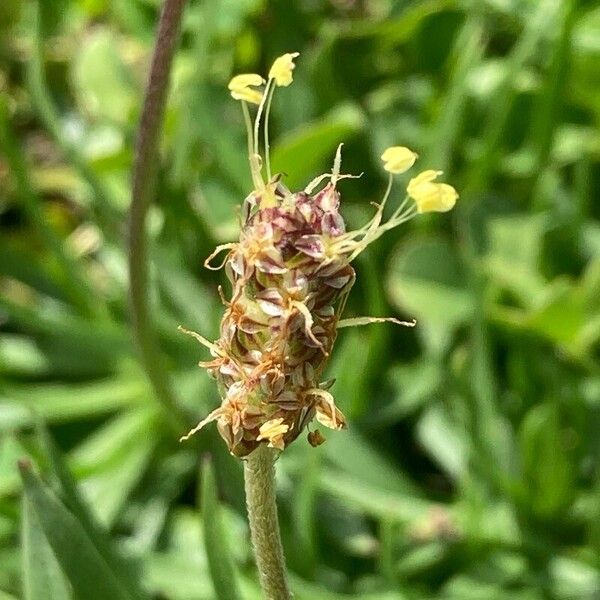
x: 256, y: 176
x: 359, y: 321
x: 259, y: 112
x: 199, y: 338
x: 270, y: 91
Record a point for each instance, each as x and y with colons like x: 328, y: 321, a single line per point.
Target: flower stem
x: 143, y: 192
x: 259, y: 473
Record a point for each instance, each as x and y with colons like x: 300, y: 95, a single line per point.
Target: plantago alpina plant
x: 290, y: 272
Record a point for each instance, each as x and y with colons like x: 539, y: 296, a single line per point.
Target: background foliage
x: 470, y: 470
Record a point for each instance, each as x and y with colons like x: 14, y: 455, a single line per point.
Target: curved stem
x: 259, y: 474
x: 143, y: 190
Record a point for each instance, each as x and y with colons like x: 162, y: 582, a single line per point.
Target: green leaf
x: 304, y: 511
x: 220, y: 561
x: 102, y: 84
x: 88, y: 572
x: 354, y: 455
x: 84, y: 515
x: 115, y: 458
x: 572, y: 578
x: 352, y: 349
x: 466, y: 587
x: 52, y: 13
x: 20, y: 357
x: 440, y: 436
x: 542, y: 19
x: 42, y: 577
x: 414, y: 385
x: 59, y: 403
x: 515, y: 245
x: 426, y: 280
x: 178, y: 577
x: 560, y: 315
x: 375, y: 502
x: 422, y: 558
x: 547, y: 469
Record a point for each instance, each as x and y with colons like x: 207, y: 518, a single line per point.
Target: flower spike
x: 291, y: 275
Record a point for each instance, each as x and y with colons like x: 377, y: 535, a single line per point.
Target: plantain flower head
x: 281, y: 70
x: 290, y: 274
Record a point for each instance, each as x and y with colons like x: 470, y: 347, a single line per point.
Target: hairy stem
x: 143, y: 189
x: 259, y: 473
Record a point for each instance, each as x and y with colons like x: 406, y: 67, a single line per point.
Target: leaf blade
x: 42, y: 576
x: 88, y: 572
x: 220, y: 562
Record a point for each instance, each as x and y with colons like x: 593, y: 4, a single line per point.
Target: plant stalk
x: 143, y: 192
x: 259, y: 474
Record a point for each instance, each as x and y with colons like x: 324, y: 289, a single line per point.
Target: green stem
x: 259, y: 473
x: 143, y: 191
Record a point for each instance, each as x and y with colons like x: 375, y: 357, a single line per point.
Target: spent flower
x: 291, y: 273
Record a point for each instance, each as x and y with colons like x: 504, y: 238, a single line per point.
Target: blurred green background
x: 471, y: 466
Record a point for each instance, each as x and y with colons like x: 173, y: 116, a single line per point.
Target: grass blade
x: 220, y: 562
x: 42, y: 577
x: 84, y: 515
x: 537, y: 26
x: 90, y: 575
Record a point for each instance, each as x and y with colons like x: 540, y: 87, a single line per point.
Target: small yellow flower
x: 430, y: 196
x: 398, y: 159
x: 282, y: 68
x: 241, y: 87
x: 425, y: 177
x: 273, y: 431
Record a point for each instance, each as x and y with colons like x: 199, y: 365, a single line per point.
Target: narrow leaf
x: 84, y: 515
x: 42, y: 577
x: 220, y: 562
x: 89, y: 574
